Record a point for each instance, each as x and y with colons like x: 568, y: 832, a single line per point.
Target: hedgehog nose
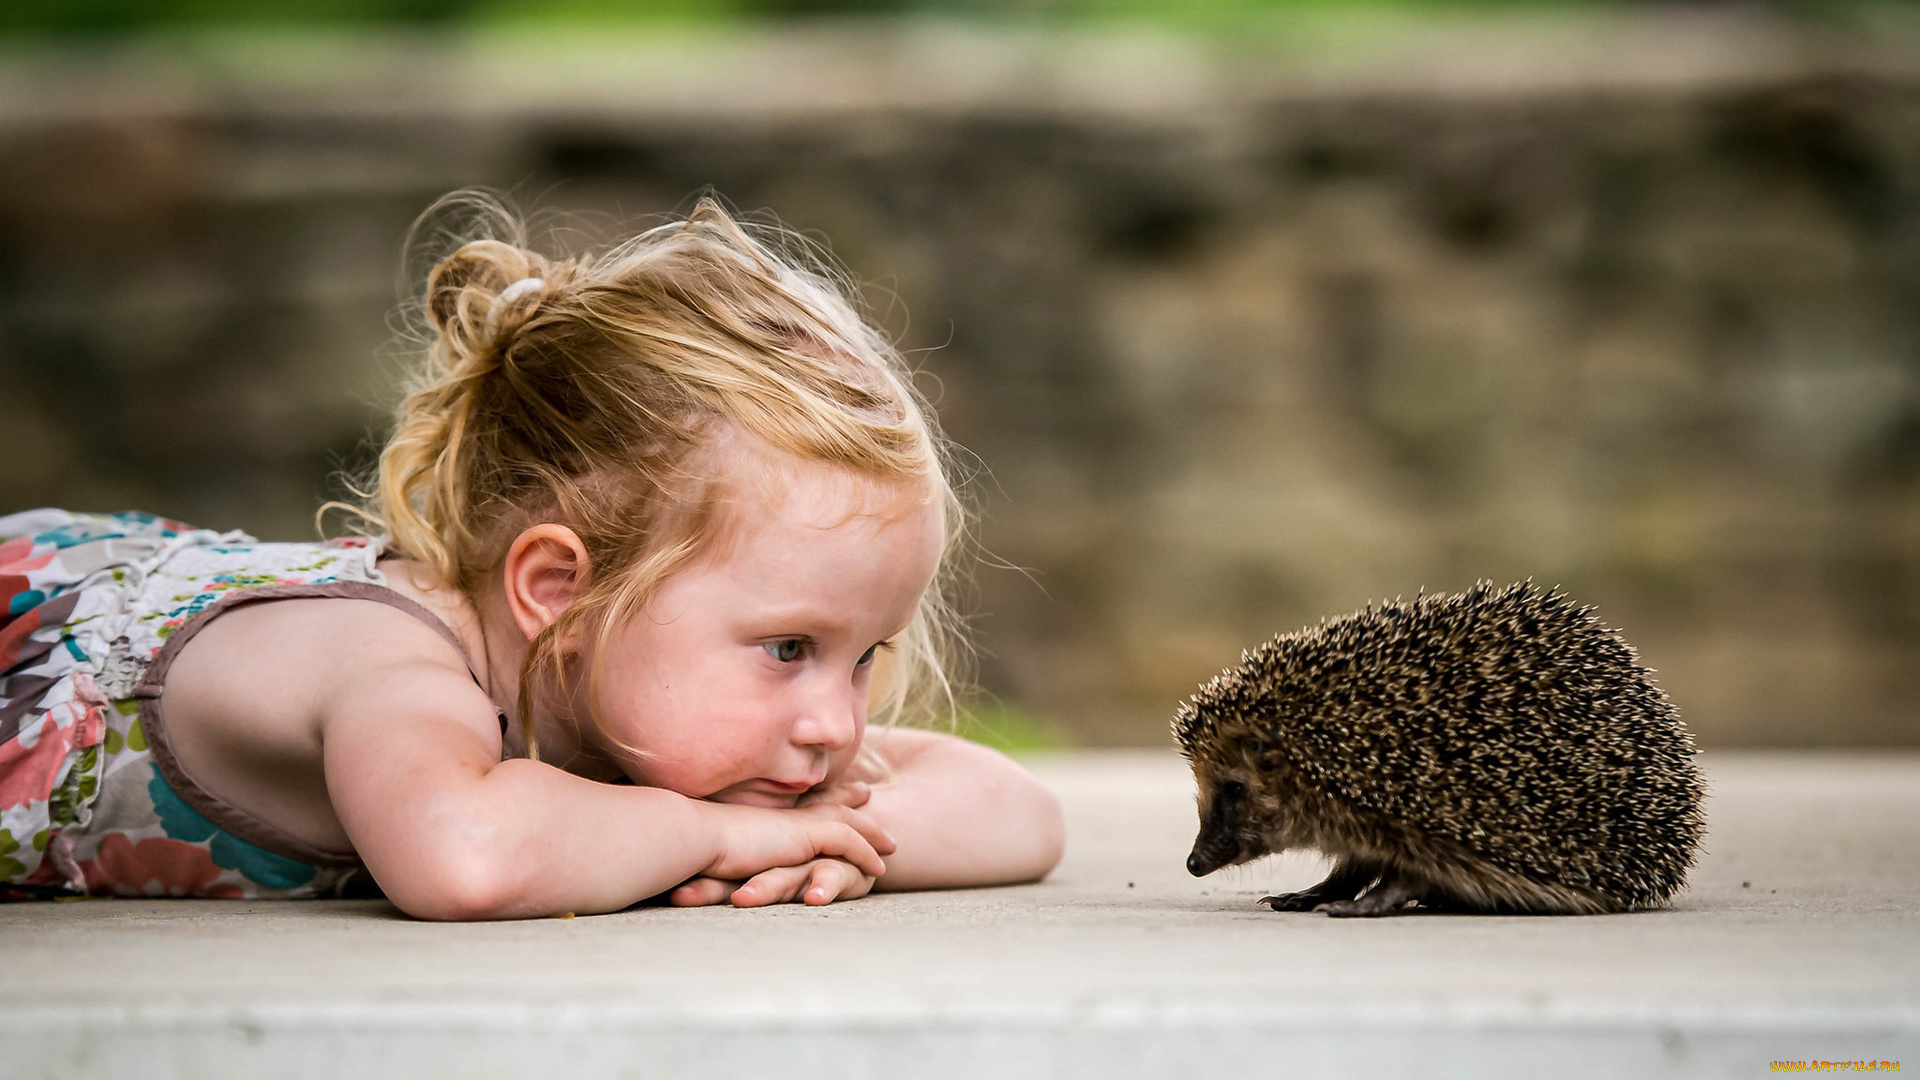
x: 1206, y: 858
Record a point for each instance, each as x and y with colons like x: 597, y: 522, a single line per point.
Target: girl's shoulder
x: 258, y: 605
x: 267, y: 676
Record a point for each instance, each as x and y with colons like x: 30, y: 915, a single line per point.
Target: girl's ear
x: 546, y: 568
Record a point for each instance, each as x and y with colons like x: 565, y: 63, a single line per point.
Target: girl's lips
x: 790, y: 789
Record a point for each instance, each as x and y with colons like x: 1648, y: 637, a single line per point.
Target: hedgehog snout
x: 1220, y: 842
x: 1206, y: 858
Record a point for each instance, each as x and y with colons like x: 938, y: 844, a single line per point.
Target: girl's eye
x: 867, y: 657
x: 785, y: 650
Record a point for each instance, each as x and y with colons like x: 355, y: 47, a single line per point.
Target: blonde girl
x: 661, y: 528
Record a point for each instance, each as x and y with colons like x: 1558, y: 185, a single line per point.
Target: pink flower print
x: 155, y: 867
x: 16, y: 586
x: 28, y: 769
x: 12, y: 634
x: 22, y: 610
x: 17, y: 557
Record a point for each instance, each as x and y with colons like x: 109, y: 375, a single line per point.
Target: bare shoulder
x: 288, y: 655
x: 248, y: 701
x: 392, y: 664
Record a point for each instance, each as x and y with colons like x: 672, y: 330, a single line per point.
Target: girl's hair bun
x: 479, y: 297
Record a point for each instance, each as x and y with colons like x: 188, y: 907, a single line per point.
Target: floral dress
x: 92, y: 610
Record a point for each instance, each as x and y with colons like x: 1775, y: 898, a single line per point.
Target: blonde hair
x: 592, y: 391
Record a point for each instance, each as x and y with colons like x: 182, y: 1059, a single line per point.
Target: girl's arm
x: 961, y: 814
x: 452, y: 832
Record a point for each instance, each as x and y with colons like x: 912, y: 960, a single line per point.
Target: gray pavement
x: 1797, y: 941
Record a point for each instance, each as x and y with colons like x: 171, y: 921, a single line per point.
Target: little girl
x: 659, y: 526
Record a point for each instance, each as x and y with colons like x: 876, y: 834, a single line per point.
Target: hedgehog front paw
x: 1295, y: 901
x: 1387, y: 898
x: 1350, y: 875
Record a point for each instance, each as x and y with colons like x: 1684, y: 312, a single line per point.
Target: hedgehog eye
x: 1232, y: 789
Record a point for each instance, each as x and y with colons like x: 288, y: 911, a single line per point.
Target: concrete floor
x: 1797, y: 941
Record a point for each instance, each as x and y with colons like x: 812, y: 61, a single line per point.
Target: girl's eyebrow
x: 796, y: 621
x: 801, y: 619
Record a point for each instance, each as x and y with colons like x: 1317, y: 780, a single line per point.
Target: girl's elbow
x: 458, y: 887
x: 1041, y: 825
x: 1035, y: 831
x: 1049, y: 833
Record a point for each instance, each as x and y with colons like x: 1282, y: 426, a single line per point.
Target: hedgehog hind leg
x: 1349, y: 878
x: 1390, y: 896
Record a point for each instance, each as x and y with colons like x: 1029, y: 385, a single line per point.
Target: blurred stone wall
x: 1239, y: 338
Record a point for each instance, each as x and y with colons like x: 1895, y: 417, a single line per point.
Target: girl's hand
x: 821, y: 881
x: 817, y: 881
x: 753, y: 840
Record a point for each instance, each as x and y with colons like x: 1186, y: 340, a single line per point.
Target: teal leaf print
x: 183, y: 822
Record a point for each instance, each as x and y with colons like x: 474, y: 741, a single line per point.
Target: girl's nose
x: 831, y: 721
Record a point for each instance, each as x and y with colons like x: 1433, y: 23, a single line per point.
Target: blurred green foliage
x: 120, y: 16
x: 1009, y: 728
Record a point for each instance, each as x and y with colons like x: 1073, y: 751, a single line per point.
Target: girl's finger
x: 701, y: 891
x: 845, y: 841
x: 880, y: 838
x: 776, y: 886
x: 832, y: 880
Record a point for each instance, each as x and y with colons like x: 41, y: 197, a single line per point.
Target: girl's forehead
x: 783, y: 488
x: 862, y: 532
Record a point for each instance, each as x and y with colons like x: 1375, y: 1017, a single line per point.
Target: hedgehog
x: 1494, y: 751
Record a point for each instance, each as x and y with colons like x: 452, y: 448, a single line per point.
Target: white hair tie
x: 520, y: 288
x: 507, y: 296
